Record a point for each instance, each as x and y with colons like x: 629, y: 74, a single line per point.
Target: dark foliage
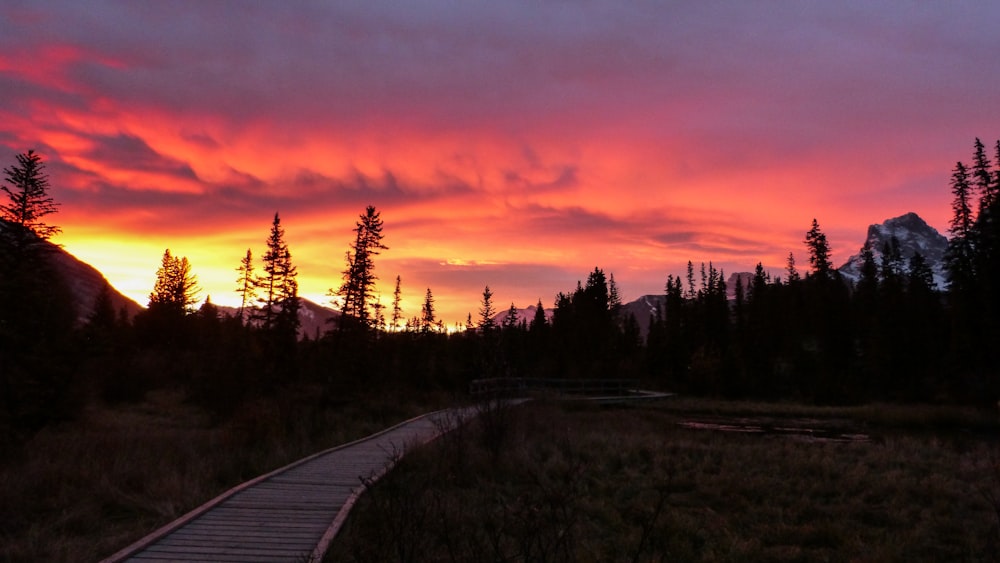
x: 36, y: 308
x: 892, y: 336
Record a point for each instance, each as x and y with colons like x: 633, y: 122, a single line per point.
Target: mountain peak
x: 914, y: 235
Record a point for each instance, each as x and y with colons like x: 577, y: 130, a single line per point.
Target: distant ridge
x: 527, y: 315
x: 314, y: 319
x: 914, y: 235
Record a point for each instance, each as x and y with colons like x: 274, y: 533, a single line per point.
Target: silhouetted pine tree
x: 246, y: 287
x: 690, y: 281
x: 983, y: 180
x: 37, y: 313
x: 982, y: 301
x: 100, y: 330
x: 585, y: 335
x: 764, y: 336
x: 960, y: 262
x: 739, y: 305
x: 539, y: 343
x: 427, y: 319
x: 539, y: 322
x: 614, y: 298
x: 397, y: 309
x: 358, y: 289
x: 676, y: 333
x: 163, y: 325
x: 175, y: 289
x: 959, y: 257
x: 28, y: 201
x: 827, y: 350
x: 486, y: 312
x: 819, y: 252
x: 512, y: 319
x: 277, y: 285
x: 792, y: 274
x: 277, y: 316
x: 866, y: 307
x: 866, y: 290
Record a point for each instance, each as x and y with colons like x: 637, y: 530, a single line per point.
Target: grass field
x: 582, y: 483
x: 539, y: 482
x: 81, y: 491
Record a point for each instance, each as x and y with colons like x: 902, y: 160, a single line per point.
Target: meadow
x: 82, y: 490
x: 576, y: 482
x: 543, y: 481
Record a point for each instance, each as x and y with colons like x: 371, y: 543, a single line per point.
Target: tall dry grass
x: 81, y: 491
x: 629, y: 484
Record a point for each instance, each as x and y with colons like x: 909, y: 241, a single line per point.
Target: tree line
x: 892, y: 335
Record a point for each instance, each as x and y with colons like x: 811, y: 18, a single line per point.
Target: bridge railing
x: 521, y: 386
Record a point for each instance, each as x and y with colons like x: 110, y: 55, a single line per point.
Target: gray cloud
x: 755, y: 65
x: 128, y: 152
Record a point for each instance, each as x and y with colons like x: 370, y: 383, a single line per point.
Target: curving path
x: 293, y: 513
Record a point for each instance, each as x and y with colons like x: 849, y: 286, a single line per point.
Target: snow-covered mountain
x: 643, y: 308
x: 914, y: 235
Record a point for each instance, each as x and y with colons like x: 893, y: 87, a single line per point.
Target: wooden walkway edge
x: 291, y: 513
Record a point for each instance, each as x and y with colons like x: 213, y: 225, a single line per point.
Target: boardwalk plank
x: 224, y: 550
x: 289, y: 514
x: 225, y: 538
x: 195, y: 558
x: 231, y: 538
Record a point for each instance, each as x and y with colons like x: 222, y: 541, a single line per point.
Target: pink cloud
x: 542, y: 137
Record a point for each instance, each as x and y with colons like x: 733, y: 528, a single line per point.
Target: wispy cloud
x: 515, y: 141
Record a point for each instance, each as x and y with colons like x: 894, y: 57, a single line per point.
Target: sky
x: 515, y: 144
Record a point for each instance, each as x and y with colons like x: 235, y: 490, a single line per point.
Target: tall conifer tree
x: 246, y: 285
x: 959, y: 257
x: 279, y: 298
x: 358, y: 289
x: 175, y: 289
x: 28, y: 201
x: 792, y: 274
x: 487, y: 312
x: 397, y: 309
x: 982, y: 177
x: 427, y: 320
x: 819, y: 252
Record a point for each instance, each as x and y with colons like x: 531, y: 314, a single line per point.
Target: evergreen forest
x: 809, y: 336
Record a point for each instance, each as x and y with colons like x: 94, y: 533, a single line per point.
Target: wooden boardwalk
x: 290, y: 514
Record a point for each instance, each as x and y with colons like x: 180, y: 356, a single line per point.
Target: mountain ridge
x: 913, y: 233
x: 84, y: 281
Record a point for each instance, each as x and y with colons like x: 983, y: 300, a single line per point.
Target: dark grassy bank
x: 81, y: 491
x: 578, y: 483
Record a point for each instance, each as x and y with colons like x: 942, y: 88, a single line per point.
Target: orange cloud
x: 501, y: 149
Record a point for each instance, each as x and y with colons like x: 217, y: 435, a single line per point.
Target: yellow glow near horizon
x: 503, y: 155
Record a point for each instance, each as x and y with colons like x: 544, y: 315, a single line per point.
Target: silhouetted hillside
x: 85, y: 283
x: 315, y: 319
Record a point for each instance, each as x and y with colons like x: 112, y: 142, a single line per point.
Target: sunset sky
x: 517, y: 144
